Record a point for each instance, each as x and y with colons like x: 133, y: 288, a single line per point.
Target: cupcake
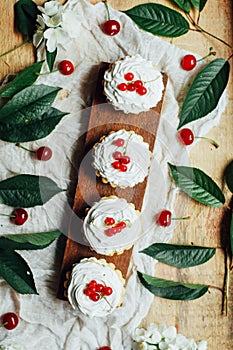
x: 133, y: 84
x: 122, y: 158
x: 95, y: 287
x: 112, y: 225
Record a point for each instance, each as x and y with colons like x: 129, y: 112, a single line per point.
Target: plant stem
x: 9, y: 216
x: 15, y: 48
x: 26, y: 149
x: 184, y: 218
x: 214, y: 143
x: 107, y: 9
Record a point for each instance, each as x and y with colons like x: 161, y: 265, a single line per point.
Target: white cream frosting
x: 102, y: 272
x: 120, y: 210
x: 131, y: 101
x: 134, y: 147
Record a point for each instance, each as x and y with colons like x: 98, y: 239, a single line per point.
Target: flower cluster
x: 56, y: 26
x: 164, y: 338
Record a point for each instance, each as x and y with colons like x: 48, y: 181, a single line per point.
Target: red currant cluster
x: 115, y: 228
x: 120, y: 159
x: 95, y: 291
x: 136, y: 85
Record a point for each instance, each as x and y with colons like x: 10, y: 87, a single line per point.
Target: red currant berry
x: 111, y: 27
x: 107, y: 291
x: 186, y: 136
x: 94, y: 296
x: 138, y: 83
x: 129, y: 76
x: 109, y: 232
x: 131, y: 87
x: 44, y: 153
x: 117, y: 155
x: 105, y: 348
x: 116, y: 165
x: 188, y: 62
x: 123, y: 168
x: 66, y: 67
x: 109, y: 221
x: 87, y: 291
x: 9, y: 320
x: 99, y: 287
x: 142, y: 90
x: 119, y: 142
x: 121, y: 224
x: 122, y: 87
x: 125, y: 160
x: 164, y: 218
x: 92, y: 283
x: 19, y: 216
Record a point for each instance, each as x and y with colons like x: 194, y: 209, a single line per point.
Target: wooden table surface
x: 201, y: 318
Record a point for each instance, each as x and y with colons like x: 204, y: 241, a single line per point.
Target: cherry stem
x: 46, y: 73
x: 3, y: 324
x: 26, y: 149
x: 214, y: 143
x: 15, y: 48
x: 211, y: 53
x: 9, y: 216
x: 107, y: 9
x: 107, y: 302
x: 184, y: 218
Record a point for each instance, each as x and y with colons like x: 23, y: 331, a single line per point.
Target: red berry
x: 87, y: 291
x: 188, y: 62
x: 109, y: 232
x: 121, y: 224
x: 138, y: 83
x: 9, y: 320
x: 111, y: 27
x: 116, y: 165
x: 123, y: 168
x: 119, y: 142
x: 131, y: 87
x: 92, y: 283
x: 141, y: 90
x: 164, y: 218
x: 99, y: 287
x: 125, y: 160
x: 109, y: 221
x: 44, y: 153
x: 129, y: 76
x: 94, y: 296
x: 19, y: 216
x: 117, y: 155
x: 107, y: 291
x: 122, y: 87
x: 66, y: 67
x: 186, y: 136
x: 105, y: 348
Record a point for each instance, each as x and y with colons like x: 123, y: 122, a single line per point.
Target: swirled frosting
x: 131, y: 101
x: 134, y: 147
x: 102, y: 272
x: 94, y: 227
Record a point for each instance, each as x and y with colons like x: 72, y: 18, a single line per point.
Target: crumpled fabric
x: 45, y: 321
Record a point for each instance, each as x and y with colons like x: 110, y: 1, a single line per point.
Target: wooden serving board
x: 104, y: 119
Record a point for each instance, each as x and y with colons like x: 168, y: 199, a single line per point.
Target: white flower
x: 52, y: 21
x: 39, y: 35
x: 55, y: 37
x: 169, y: 333
x: 50, y: 8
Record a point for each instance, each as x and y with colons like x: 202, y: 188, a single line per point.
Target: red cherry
x: 122, y: 87
x: 125, y: 160
x: 188, y: 62
x: 129, y: 76
x: 66, y: 67
x: 116, y: 165
x: 19, y: 216
x: 109, y: 221
x: 111, y: 27
x: 94, y: 296
x: 186, y: 136
x: 99, y: 287
x: 164, y: 218
x: 105, y: 348
x: 117, y: 155
x: 44, y: 153
x: 121, y: 225
x: 131, y: 87
x: 142, y: 90
x: 138, y: 83
x: 9, y: 320
x: 123, y: 168
x: 119, y: 142
x: 107, y: 291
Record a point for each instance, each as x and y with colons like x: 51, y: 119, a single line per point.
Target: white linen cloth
x: 45, y: 321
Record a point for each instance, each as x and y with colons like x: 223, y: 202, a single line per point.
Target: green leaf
x: 183, y: 4
x: 26, y: 78
x: 50, y: 59
x: 25, y: 16
x: 199, y: 4
x: 172, y: 290
x: 180, y: 256
x: 197, y: 185
x: 28, y: 104
x: 231, y: 234
x: 205, y: 91
x: 16, y: 272
x: 159, y: 20
x: 35, y: 130
x: 28, y: 241
x: 27, y: 190
x: 229, y: 176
